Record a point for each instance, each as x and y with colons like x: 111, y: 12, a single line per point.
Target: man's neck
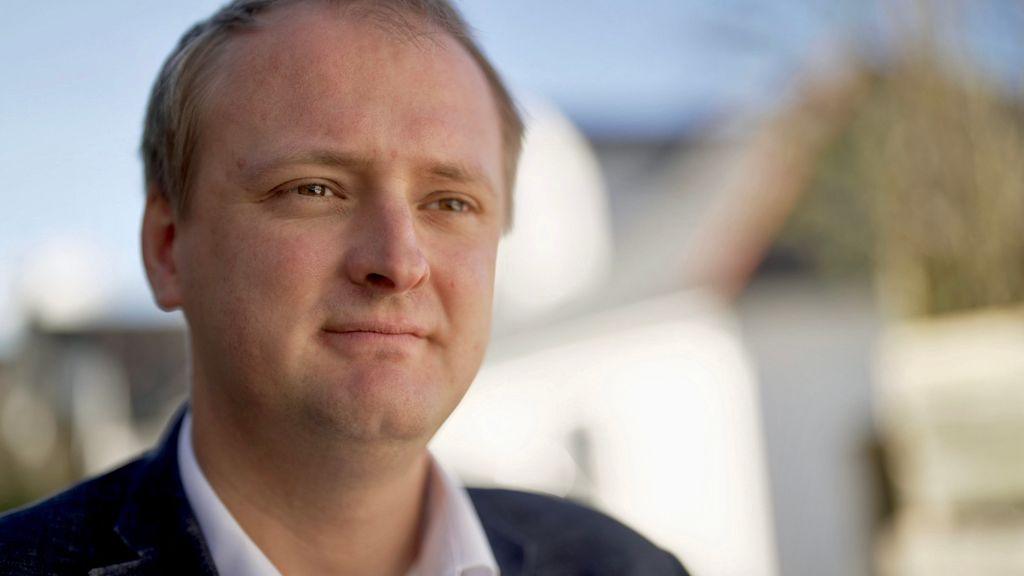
x: 316, y: 510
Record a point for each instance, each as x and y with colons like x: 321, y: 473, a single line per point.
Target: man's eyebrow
x: 456, y: 172
x: 460, y: 174
x: 259, y: 169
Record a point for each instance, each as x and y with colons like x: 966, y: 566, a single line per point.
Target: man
x: 327, y: 185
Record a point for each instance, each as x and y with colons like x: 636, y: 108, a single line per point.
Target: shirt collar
x: 454, y: 542
x: 234, y: 553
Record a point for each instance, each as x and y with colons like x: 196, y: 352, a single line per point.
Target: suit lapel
x: 515, y: 553
x: 157, y: 522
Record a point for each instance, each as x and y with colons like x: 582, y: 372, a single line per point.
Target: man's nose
x: 385, y: 254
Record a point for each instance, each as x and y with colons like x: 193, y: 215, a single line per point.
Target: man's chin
x: 377, y: 404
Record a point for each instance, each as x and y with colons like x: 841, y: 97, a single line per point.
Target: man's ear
x: 159, y: 229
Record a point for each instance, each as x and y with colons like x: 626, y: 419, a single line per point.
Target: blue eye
x: 450, y: 205
x: 313, y: 189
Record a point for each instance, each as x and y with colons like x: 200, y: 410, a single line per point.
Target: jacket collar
x: 156, y: 521
x: 515, y: 552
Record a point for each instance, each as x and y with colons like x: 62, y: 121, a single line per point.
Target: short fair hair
x: 171, y: 131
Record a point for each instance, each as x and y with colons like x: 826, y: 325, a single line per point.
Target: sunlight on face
x: 337, y: 265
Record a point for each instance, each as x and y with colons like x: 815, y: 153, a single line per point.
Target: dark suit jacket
x: 136, y: 520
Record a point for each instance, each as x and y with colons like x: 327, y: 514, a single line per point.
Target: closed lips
x: 384, y: 329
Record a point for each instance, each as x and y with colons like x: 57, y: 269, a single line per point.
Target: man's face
x: 336, y: 263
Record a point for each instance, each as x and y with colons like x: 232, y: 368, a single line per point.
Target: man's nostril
x: 380, y: 280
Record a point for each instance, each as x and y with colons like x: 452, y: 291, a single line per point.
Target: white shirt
x: 454, y: 543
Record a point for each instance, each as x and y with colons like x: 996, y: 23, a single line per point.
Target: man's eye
x: 450, y: 205
x: 313, y: 189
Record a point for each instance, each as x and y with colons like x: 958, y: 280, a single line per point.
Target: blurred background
x: 764, y: 300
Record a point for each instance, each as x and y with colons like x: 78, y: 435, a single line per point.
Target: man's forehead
x: 317, y: 52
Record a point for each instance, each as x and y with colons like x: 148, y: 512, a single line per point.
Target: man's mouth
x: 347, y: 336
x: 377, y: 327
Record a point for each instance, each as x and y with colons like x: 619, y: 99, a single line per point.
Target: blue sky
x: 78, y: 74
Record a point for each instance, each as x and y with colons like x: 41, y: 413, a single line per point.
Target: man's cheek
x: 288, y: 272
x: 273, y: 282
x: 470, y: 286
x: 478, y: 275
